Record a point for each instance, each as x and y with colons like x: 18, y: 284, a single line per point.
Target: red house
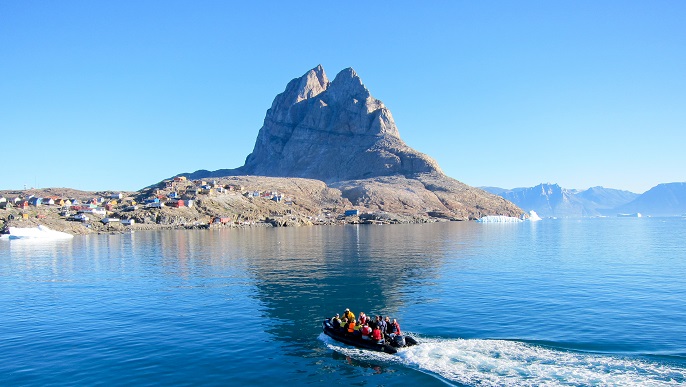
x: 176, y: 203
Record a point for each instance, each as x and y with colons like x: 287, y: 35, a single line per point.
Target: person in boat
x: 389, y: 326
x: 377, y: 335
x: 336, y: 321
x: 381, y: 324
x: 344, y: 325
x: 348, y: 314
x: 358, y: 329
x: 396, y: 327
x: 372, y: 322
x: 366, y: 331
x: 363, y: 318
x: 350, y: 327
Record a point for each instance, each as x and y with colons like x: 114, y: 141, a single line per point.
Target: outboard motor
x: 399, y: 341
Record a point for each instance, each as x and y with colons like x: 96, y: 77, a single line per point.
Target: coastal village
x: 180, y: 203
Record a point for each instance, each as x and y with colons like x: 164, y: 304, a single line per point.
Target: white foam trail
x: 510, y: 363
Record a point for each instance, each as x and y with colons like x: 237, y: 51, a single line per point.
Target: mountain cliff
x: 337, y: 132
x: 329, y: 131
x: 332, y: 131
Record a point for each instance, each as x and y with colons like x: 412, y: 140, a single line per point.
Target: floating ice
x: 533, y: 216
x: 498, y: 219
x: 40, y: 232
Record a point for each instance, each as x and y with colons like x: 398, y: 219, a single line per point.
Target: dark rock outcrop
x: 331, y: 131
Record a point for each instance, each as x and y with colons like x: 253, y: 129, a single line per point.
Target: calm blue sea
x: 557, y: 302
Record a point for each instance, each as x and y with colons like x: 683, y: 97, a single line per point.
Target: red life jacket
x: 396, y: 328
x: 366, y: 331
x: 376, y: 334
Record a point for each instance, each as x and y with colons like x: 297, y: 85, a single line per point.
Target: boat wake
x: 476, y: 362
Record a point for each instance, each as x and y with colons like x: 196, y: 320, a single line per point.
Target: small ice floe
x: 498, y: 219
x: 533, y: 216
x: 40, y: 232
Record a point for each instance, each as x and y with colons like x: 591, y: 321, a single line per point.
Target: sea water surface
x: 569, y: 302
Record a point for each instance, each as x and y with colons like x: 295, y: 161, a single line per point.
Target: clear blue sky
x: 122, y: 94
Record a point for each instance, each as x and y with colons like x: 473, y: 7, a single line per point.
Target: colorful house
x: 176, y: 203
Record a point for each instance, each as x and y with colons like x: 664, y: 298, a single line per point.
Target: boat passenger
x: 366, y: 331
x: 350, y: 327
x: 389, y: 326
x: 348, y: 314
x: 344, y: 325
x: 363, y: 318
x: 377, y: 335
x: 381, y: 323
x: 396, y: 327
x: 336, y: 321
x: 358, y: 329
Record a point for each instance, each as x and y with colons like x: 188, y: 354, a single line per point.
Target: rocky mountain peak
x: 348, y: 84
x: 332, y: 131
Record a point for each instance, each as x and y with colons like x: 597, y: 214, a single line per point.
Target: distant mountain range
x: 551, y: 200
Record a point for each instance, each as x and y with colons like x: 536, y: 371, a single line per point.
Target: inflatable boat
x: 388, y: 345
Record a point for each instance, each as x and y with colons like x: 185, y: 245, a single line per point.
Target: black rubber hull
x: 360, y: 343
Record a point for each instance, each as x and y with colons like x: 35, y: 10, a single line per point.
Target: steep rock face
x: 331, y: 131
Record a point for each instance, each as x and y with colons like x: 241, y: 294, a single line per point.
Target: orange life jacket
x: 351, y: 327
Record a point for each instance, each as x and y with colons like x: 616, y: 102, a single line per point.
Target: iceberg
x: 498, y: 219
x: 533, y: 216
x: 40, y: 232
